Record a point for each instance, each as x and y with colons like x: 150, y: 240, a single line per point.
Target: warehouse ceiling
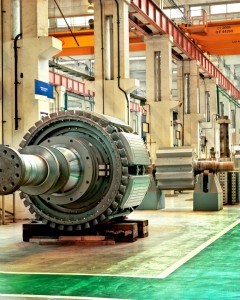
x: 72, y: 8
x: 79, y: 7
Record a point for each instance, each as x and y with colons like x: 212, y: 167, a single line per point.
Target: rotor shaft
x: 213, y: 166
x: 37, y: 169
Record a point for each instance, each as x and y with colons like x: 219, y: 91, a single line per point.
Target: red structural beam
x: 153, y: 15
x: 71, y: 85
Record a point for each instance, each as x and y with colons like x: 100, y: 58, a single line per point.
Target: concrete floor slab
x: 174, y: 232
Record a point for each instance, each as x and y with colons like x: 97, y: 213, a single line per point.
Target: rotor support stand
x: 208, y: 194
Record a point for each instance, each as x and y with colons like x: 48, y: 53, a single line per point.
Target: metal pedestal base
x: 154, y: 199
x: 208, y: 194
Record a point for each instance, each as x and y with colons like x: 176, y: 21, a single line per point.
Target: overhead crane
x: 148, y: 19
x: 85, y: 39
x: 147, y: 11
x: 220, y: 37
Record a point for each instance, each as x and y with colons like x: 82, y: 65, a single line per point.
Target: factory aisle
x: 185, y: 250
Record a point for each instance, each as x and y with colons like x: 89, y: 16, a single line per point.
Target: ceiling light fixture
x: 90, y: 7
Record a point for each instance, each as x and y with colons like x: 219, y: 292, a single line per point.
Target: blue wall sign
x: 43, y: 88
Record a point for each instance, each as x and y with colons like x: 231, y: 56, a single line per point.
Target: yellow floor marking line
x: 193, y: 253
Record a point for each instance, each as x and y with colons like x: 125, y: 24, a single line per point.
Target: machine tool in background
x: 77, y: 169
x: 215, y: 182
x: 178, y: 169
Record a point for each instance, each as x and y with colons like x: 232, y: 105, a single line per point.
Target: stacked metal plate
x: 233, y: 187
x: 175, y: 168
x: 223, y: 179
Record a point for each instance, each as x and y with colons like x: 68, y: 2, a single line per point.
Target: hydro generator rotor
x: 77, y: 169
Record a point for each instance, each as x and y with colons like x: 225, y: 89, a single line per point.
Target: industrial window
x: 62, y: 23
x: 225, y: 8
x: 174, y: 82
x: 233, y: 7
x: 208, y: 114
x: 74, y: 22
x: 198, y: 101
x: 109, y: 64
x: 135, y: 124
x: 233, y: 118
x: 187, y: 93
x: 221, y: 109
x: 218, y: 9
x: 175, y: 13
x: 195, y: 11
x: 214, y: 9
x: 157, y: 73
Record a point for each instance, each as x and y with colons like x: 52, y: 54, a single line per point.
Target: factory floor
x: 177, y: 236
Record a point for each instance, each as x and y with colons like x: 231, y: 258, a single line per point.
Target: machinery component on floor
x: 77, y: 169
x: 176, y: 168
x: 223, y: 180
x: 208, y: 193
x: 230, y: 183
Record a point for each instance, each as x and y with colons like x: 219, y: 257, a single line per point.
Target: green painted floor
x: 213, y: 274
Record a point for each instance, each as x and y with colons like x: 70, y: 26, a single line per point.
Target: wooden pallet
x: 142, y: 227
x: 72, y: 240
x: 107, y: 234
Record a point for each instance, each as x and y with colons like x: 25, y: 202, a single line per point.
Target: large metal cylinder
x: 77, y: 169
